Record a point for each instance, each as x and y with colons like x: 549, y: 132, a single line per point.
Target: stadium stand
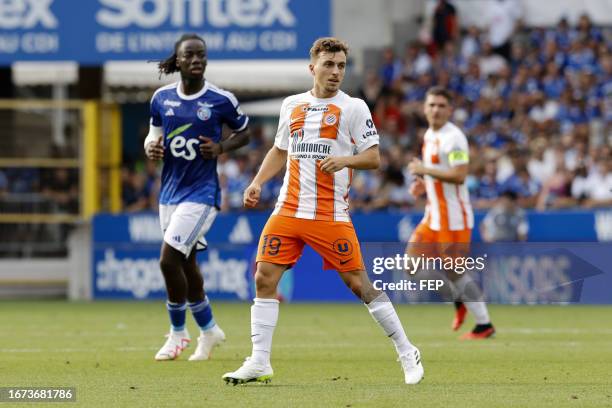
x: 539, y: 122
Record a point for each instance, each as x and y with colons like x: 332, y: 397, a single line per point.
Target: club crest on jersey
x: 203, y: 113
x: 330, y: 119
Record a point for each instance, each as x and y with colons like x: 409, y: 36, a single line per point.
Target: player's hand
x: 208, y: 148
x: 332, y: 164
x: 251, y: 195
x: 416, y: 167
x: 417, y: 187
x: 155, y: 150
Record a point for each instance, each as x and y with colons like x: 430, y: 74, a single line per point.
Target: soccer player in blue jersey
x: 187, y: 120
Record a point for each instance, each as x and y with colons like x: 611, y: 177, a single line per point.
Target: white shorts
x: 184, y: 225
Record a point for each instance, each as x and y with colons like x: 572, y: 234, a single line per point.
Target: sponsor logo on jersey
x: 315, y: 108
x: 369, y: 133
x: 173, y: 104
x: 317, y: 148
x: 179, y: 130
x: 169, y: 112
x: 372, y: 131
x: 297, y: 135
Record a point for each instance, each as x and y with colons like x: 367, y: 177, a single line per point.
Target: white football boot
x: 250, y: 371
x: 173, y: 347
x: 206, y: 342
x: 411, y: 364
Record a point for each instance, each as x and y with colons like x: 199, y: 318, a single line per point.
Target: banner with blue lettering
x: 558, y: 265
x: 95, y: 31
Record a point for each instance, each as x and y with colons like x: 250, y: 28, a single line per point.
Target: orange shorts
x: 282, y: 242
x: 444, y: 243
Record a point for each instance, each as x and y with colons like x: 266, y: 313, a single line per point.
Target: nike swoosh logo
x: 345, y: 261
x: 391, y: 335
x: 253, y: 335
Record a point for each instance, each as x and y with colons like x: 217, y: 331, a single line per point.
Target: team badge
x: 330, y: 119
x: 343, y: 247
x: 203, y: 113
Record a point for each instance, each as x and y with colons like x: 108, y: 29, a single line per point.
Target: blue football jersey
x: 186, y: 176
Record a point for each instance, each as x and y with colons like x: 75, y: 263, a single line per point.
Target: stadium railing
x: 60, y: 163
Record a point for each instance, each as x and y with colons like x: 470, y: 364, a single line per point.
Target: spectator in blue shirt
x: 391, y: 68
x: 523, y: 186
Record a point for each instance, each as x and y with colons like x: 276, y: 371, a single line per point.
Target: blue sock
x: 177, y: 315
x: 202, y: 313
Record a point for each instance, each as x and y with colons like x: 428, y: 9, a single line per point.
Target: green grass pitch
x: 323, y: 356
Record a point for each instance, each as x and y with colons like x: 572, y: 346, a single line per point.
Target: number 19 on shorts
x: 271, y: 244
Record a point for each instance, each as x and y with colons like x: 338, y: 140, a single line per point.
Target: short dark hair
x: 440, y: 91
x: 168, y: 66
x: 328, y: 44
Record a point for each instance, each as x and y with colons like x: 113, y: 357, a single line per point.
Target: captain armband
x: 458, y: 157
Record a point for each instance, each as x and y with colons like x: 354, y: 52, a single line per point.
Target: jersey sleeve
x: 156, y: 118
x: 361, y: 127
x: 281, y: 140
x: 457, y: 150
x: 233, y: 115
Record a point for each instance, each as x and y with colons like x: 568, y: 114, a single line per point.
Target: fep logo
x: 26, y: 14
x: 194, y: 13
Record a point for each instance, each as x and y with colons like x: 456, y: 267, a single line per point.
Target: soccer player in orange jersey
x: 323, y: 136
x: 448, y: 216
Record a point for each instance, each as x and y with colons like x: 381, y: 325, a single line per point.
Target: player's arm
x: 365, y: 138
x: 211, y: 150
x: 154, y: 143
x: 368, y: 159
x: 417, y: 187
x: 455, y: 174
x: 235, y: 141
x: 232, y: 116
x: 273, y: 163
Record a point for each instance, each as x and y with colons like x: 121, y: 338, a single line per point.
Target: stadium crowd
x: 537, y: 111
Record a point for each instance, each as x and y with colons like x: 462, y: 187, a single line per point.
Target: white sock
x: 384, y: 314
x: 264, y: 315
x: 468, y: 293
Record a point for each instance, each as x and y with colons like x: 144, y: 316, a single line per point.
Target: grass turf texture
x: 323, y: 355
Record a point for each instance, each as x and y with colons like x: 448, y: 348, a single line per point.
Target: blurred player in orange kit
x: 323, y: 135
x: 448, y: 221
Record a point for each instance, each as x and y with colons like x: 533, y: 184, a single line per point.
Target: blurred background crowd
x: 535, y: 103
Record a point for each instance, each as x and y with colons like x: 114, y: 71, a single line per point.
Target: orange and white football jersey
x: 311, y: 129
x: 448, y: 204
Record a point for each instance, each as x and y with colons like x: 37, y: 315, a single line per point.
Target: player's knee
x: 263, y: 281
